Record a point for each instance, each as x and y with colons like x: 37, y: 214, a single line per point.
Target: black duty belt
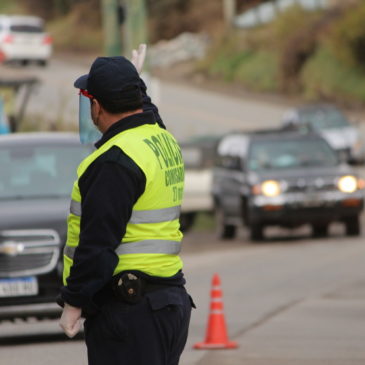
x: 130, y: 288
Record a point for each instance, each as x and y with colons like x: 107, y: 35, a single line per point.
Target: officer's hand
x: 138, y: 57
x: 70, y: 320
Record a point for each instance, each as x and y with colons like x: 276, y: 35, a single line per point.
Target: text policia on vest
x: 169, y: 157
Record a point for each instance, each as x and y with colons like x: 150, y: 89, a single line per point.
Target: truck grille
x: 28, y: 252
x: 24, y: 262
x: 305, y: 185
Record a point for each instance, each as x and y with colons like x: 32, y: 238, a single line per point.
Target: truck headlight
x: 271, y: 188
x: 347, y: 184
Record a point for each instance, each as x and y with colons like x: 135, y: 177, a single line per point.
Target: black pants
x: 151, y: 332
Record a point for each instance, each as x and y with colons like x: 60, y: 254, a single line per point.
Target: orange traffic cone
x: 216, y: 335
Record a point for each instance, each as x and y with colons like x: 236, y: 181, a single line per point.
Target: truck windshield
x: 286, y: 154
x: 36, y: 172
x: 324, y: 119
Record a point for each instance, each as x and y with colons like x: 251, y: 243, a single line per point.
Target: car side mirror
x: 231, y: 162
x: 236, y: 163
x: 351, y: 161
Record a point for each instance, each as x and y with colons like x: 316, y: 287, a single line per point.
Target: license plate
x: 16, y: 287
x: 312, y: 202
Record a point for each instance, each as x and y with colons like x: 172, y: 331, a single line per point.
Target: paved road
x: 290, y: 300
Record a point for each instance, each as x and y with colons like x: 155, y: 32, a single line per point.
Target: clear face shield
x: 87, y: 130
x: 4, y: 125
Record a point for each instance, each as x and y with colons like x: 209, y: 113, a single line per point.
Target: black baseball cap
x: 109, y: 77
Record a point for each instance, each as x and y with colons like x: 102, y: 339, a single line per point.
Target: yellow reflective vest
x: 152, y: 240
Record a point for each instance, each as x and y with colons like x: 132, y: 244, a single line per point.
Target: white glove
x: 138, y: 57
x: 70, y: 320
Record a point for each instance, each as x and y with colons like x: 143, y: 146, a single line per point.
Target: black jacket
x: 109, y: 188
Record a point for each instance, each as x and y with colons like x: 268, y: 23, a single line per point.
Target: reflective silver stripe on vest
x: 75, y: 208
x: 140, y: 216
x: 146, y: 246
x: 69, y: 251
x: 150, y: 246
x: 155, y: 215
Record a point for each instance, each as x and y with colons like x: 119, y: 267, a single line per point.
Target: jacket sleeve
x: 149, y: 106
x: 109, y: 189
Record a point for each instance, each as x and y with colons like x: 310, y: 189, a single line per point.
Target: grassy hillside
x: 10, y: 7
x: 319, y: 55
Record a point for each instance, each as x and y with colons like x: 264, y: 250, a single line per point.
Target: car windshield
x: 37, y: 172
x: 287, y: 154
x: 324, y: 118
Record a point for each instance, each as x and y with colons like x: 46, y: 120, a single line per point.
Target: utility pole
x: 229, y: 12
x: 135, y: 29
x: 135, y: 33
x: 111, y: 26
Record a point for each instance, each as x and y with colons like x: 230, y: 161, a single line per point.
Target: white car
x: 23, y: 39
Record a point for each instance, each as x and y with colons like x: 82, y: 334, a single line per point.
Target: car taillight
x: 2, y: 56
x: 8, y: 38
x: 47, y: 39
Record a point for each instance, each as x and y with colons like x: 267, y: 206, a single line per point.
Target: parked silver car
x: 36, y: 177
x: 330, y: 123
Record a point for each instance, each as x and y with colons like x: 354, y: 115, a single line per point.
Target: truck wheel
x: 320, y: 230
x: 224, y: 231
x: 256, y: 232
x: 353, y: 227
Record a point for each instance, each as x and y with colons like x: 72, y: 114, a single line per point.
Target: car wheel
x: 320, y: 230
x: 187, y: 221
x: 256, y: 232
x: 42, y: 63
x: 353, y: 227
x: 224, y: 231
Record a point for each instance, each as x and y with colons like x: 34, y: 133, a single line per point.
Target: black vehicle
x: 36, y: 177
x: 285, y: 179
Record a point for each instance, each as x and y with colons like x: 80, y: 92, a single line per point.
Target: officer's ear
x: 96, y: 106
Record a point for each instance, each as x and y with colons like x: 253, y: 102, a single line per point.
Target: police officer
x: 122, y: 271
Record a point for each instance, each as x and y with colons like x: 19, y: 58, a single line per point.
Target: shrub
x: 10, y: 7
x: 224, y: 57
x: 258, y: 71
x: 347, y: 37
x: 297, y: 34
x: 289, y: 23
x: 325, y: 77
x: 87, y: 39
